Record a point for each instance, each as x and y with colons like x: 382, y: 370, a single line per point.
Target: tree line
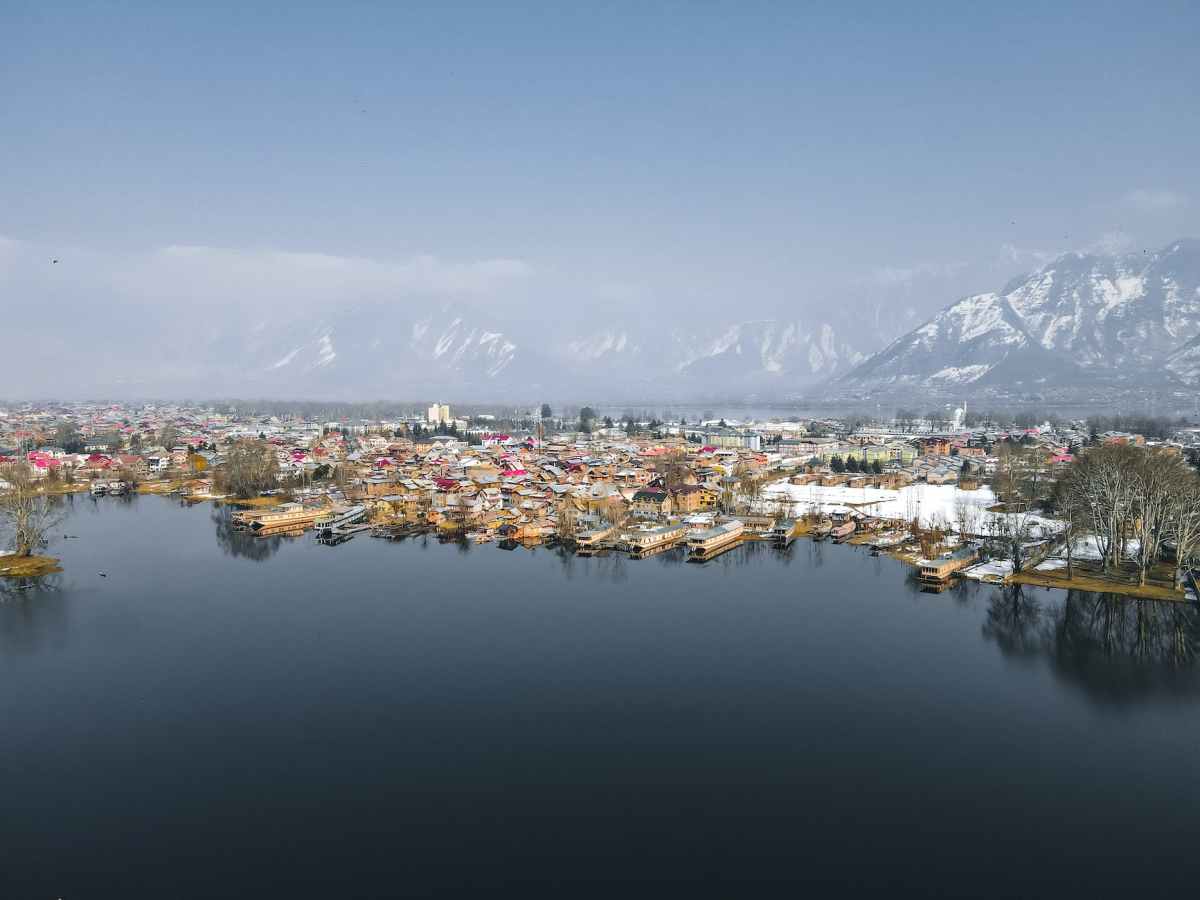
x: 1136, y: 501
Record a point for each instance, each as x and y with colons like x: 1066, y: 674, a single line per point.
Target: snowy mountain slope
x: 1080, y: 317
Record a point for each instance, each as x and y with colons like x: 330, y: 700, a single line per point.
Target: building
x: 650, y: 503
x: 691, y: 498
x: 439, y: 414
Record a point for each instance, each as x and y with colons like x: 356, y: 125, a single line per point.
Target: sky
x: 604, y: 160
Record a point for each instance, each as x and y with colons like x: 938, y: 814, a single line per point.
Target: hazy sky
x: 691, y: 155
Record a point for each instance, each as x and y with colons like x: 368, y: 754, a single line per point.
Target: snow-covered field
x: 992, y: 570
x: 932, y: 504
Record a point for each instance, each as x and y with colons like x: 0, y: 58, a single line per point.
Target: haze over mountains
x: 1080, y: 319
x: 286, y: 325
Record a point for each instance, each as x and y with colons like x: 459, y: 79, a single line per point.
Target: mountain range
x: 454, y: 351
x: 1080, y: 319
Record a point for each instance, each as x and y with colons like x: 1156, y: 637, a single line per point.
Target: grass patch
x: 1090, y: 577
x: 27, y: 566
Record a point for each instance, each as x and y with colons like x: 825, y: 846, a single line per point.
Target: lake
x: 221, y: 715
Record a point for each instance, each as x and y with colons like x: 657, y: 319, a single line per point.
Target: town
x: 955, y: 495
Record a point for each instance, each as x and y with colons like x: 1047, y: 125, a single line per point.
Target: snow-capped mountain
x: 453, y: 350
x: 1081, y: 317
x: 755, y: 356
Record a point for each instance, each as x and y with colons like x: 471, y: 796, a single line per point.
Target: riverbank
x: 1087, y: 577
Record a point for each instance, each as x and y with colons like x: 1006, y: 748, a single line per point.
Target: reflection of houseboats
x: 943, y: 568
x: 712, y: 541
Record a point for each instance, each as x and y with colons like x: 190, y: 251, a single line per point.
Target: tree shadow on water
x: 1117, y: 649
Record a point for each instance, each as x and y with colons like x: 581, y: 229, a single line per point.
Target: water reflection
x: 243, y: 544
x: 1115, y: 648
x: 33, y: 613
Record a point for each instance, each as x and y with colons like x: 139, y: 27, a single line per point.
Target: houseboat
x: 842, y: 532
x: 335, y: 518
x: 592, y: 540
x: 821, y: 530
x: 888, y: 539
x: 644, y: 540
x: 711, y: 541
x: 289, y: 517
x: 942, y: 569
x: 784, y: 531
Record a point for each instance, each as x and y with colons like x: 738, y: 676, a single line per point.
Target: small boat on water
x: 842, y: 532
x: 821, y: 530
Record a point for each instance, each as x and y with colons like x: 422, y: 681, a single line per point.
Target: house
x: 694, y: 498
x: 650, y: 503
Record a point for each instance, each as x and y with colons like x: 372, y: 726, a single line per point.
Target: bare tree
x: 26, y: 514
x: 250, y: 467
x: 567, y: 521
x: 966, y: 516
x: 614, y: 511
x: 1184, y: 517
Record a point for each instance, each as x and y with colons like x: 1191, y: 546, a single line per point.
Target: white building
x: 439, y: 414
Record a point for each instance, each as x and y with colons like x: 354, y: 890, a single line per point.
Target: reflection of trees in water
x: 243, y: 544
x: 566, y: 559
x: 816, y: 553
x: 32, y: 612
x: 1117, y: 648
x: 1014, y: 622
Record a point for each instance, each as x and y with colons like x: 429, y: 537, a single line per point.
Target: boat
x: 643, y: 540
x: 888, y: 539
x: 942, y: 569
x: 783, y: 532
x: 842, y: 532
x: 337, y: 518
x: 288, y: 517
x: 99, y: 488
x: 712, y: 541
x: 592, y: 540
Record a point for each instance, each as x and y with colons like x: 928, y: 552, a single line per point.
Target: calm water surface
x: 223, y: 716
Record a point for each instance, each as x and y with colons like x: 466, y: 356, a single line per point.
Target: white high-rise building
x: 438, y: 414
